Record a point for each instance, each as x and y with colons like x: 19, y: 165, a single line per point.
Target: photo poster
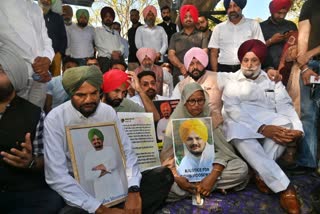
x: 140, y: 129
x: 98, y: 161
x: 193, y: 146
x: 165, y: 109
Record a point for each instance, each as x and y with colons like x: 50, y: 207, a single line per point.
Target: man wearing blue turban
x: 229, y: 35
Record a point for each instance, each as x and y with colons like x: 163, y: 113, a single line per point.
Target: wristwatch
x: 134, y: 189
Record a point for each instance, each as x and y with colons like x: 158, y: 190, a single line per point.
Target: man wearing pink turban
x: 259, y: 120
x: 227, y: 37
x: 187, y: 38
x: 147, y: 57
x: 276, y: 31
x: 151, y: 35
x: 195, y: 61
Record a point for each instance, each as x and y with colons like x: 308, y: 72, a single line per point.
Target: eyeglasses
x: 194, y: 101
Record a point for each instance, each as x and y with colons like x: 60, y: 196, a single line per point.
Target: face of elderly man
x: 250, y: 65
x: 195, y: 144
x: 45, y: 4
x: 147, y: 64
x: 166, y: 110
x: 196, y: 69
x: 86, y: 99
x: 97, y: 143
x: 6, y: 87
x: 234, y: 11
x: 115, y: 97
x: 150, y: 19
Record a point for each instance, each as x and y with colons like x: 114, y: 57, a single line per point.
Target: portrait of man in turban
x: 198, y: 151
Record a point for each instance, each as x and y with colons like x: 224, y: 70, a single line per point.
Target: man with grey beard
x: 229, y: 35
x: 259, y: 120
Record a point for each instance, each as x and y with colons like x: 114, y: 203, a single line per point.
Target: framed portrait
x: 193, y: 147
x: 98, y: 161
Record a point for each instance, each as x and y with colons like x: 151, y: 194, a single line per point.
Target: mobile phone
x: 314, y: 80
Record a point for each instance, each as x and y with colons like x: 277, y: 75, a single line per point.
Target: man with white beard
x: 259, y: 120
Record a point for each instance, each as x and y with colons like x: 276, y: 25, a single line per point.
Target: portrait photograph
x: 98, y: 161
x: 193, y: 147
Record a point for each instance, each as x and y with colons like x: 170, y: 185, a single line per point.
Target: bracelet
x: 304, y: 70
x: 270, y: 40
x: 32, y: 163
x: 261, y: 129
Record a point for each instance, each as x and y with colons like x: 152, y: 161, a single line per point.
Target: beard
x: 204, y: 29
x: 147, y: 67
x: 234, y: 15
x: 6, y: 91
x: 113, y: 102
x: 196, y: 74
x: 86, y: 109
x: 251, y: 73
x: 82, y: 24
x: 151, y: 93
x: 166, y: 18
x: 149, y: 22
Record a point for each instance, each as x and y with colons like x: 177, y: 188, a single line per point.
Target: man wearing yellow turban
x: 198, y: 153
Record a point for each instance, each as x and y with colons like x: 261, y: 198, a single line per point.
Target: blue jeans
x: 310, y: 103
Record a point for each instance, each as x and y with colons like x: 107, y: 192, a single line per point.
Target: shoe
x: 300, y: 170
x: 289, y: 201
x: 262, y: 187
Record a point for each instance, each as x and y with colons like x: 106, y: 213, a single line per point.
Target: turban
x: 15, y: 68
x: 255, y: 46
x: 197, y: 53
x: 193, y: 11
x: 148, y: 9
x: 93, y: 132
x: 113, y: 79
x: 73, y: 78
x: 195, y: 125
x: 81, y: 12
x: 106, y: 10
x: 240, y: 3
x: 143, y: 52
x: 276, y: 5
x: 67, y: 9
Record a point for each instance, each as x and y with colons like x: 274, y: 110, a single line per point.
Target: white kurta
x: 196, y: 168
x: 111, y: 185
x: 58, y: 169
x: 248, y: 104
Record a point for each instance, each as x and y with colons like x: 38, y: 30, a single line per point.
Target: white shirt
x: 58, y: 160
x: 167, y: 87
x: 227, y: 37
x: 248, y: 104
x: 106, y: 41
x: 154, y: 37
x: 23, y: 29
x: 80, y: 41
x: 67, y: 29
x: 137, y: 99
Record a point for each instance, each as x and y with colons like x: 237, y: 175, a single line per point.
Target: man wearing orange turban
x: 182, y: 41
x: 276, y: 33
x: 259, y: 120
